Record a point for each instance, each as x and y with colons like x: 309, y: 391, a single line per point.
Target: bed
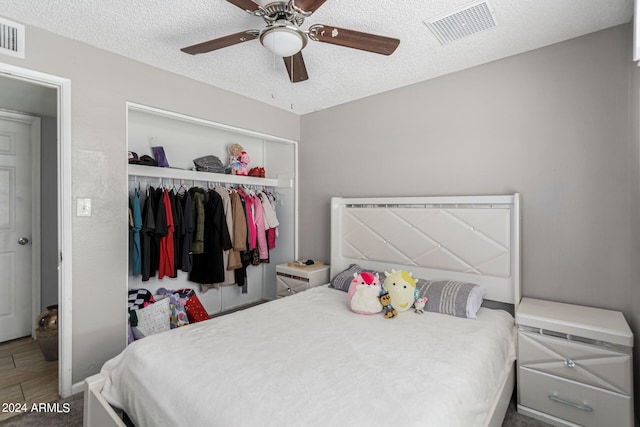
x: 307, y: 360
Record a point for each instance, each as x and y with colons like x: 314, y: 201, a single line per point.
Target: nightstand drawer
x: 288, y: 285
x: 574, y: 402
x: 589, y: 364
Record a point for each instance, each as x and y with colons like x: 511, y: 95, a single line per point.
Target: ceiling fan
x: 283, y: 36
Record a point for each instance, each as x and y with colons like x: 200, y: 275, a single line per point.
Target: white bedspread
x: 306, y: 360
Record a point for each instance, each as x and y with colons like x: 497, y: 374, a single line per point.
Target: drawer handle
x: 570, y: 403
x: 569, y: 363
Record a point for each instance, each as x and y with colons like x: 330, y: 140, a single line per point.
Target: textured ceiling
x: 153, y: 31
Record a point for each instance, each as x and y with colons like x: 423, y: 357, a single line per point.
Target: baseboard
x: 77, y: 388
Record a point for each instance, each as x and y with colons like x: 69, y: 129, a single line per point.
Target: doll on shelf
x: 235, y: 152
x: 244, y: 164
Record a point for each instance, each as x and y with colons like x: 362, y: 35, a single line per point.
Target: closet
x: 186, y: 138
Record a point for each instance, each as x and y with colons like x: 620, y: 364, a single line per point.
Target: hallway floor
x: 25, y: 377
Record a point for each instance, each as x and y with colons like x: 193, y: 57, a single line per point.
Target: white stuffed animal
x: 418, y: 305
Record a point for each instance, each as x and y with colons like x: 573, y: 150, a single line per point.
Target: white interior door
x: 15, y: 229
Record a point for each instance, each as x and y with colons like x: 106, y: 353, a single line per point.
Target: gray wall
x: 101, y: 83
x: 551, y: 124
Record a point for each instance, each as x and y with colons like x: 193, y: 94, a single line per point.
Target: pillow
x: 458, y: 299
x: 152, y: 319
x: 178, y: 312
x: 343, y: 279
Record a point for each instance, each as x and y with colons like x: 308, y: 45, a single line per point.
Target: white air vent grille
x: 11, y: 38
x: 462, y: 23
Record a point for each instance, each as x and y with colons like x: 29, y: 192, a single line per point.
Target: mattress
x: 307, y: 360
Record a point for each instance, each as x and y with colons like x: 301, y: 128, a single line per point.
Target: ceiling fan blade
x: 309, y: 5
x: 296, y: 68
x: 244, y: 4
x: 354, y: 39
x: 221, y: 42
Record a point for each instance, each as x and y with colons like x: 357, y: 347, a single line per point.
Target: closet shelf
x: 189, y: 175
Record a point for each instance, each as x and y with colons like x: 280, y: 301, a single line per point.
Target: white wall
x: 101, y: 83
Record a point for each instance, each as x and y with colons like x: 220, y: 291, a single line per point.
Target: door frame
x: 34, y: 138
x: 63, y: 87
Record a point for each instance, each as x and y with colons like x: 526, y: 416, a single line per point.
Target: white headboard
x: 465, y: 238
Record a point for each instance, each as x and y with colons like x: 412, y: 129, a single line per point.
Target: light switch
x: 84, y: 207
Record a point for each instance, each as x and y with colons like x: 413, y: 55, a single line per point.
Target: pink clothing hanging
x: 263, y: 251
x: 251, y: 225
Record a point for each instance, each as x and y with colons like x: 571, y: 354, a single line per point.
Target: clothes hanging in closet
x: 136, y: 250
x: 178, y: 231
x: 208, y: 266
x: 239, y: 231
x: 229, y: 276
x: 167, y: 248
x: 146, y: 234
x: 189, y: 227
x: 213, y: 235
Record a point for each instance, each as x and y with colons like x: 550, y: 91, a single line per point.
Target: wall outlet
x: 84, y: 207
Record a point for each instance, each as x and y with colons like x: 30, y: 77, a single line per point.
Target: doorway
x: 20, y: 243
x: 48, y: 97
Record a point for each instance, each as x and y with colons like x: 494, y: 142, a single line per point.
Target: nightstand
x: 293, y: 279
x: 574, y: 364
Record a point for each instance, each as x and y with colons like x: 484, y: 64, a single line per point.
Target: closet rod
x: 190, y: 175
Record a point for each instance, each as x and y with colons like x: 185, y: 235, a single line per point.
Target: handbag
x: 194, y: 308
x: 209, y: 164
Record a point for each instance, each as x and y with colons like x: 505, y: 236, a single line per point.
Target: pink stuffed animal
x: 363, y: 293
x: 244, y: 163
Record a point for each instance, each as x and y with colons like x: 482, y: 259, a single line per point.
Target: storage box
x: 294, y: 279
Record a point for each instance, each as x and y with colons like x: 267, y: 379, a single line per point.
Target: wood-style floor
x: 25, y: 377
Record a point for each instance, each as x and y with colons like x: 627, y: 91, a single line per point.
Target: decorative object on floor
x: 283, y: 36
x: 47, y: 332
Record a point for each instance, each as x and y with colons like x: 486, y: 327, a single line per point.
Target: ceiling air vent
x: 462, y: 23
x: 11, y: 38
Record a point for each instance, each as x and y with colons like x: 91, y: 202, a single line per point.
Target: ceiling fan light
x: 283, y: 40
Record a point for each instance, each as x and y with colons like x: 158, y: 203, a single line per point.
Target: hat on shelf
x: 147, y: 161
